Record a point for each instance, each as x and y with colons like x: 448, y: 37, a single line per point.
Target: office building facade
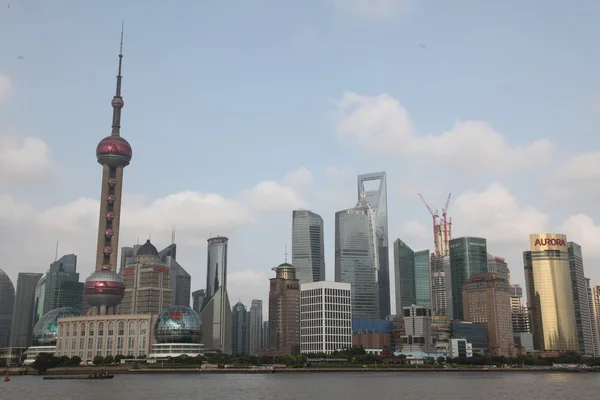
x: 325, y: 317
x: 440, y: 301
x: 7, y: 303
x: 308, y: 249
x: 23, y: 310
x: 256, y: 326
x: 486, y: 300
x: 498, y: 266
x: 216, y: 314
x: 284, y: 311
x: 355, y: 259
x: 417, y: 328
x: 550, y: 293
x: 240, y: 332
x: 468, y: 256
x: 581, y: 302
x: 181, y: 281
x: 377, y: 200
x: 197, y: 299
x: 412, y: 276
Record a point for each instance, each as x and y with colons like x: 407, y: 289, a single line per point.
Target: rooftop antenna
x: 118, y: 100
x: 173, y: 234
x: 150, y: 236
x: 56, y: 252
x: 138, y: 239
x: 285, y: 253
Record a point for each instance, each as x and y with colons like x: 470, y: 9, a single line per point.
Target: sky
x: 239, y: 112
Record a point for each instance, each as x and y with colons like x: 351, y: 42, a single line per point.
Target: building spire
x: 117, y: 102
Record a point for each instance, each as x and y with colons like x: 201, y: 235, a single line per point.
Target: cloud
x: 23, y: 158
x: 381, y: 126
x: 582, y: 229
x: 247, y: 285
x: 5, y: 87
x: 380, y: 9
x: 578, y: 178
x: 496, y: 215
x: 415, y: 229
x: 271, y: 196
x: 300, y: 178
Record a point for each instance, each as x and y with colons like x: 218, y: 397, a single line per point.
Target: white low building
x: 325, y: 317
x: 459, y: 348
x: 171, y: 350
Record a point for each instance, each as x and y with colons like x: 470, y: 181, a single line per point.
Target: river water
x: 314, y: 386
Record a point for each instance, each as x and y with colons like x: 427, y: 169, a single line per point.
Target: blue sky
x: 240, y: 111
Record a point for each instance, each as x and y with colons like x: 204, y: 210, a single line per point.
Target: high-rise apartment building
x: 417, y: 329
x: 377, y: 200
x: 440, y: 301
x: 308, y: 249
x: 7, y: 302
x: 486, y: 300
x: 59, y: 287
x: 550, y: 293
x: 240, y: 332
x: 127, y: 255
x: 580, y: 300
x: 284, y: 311
x: 23, y: 310
x: 468, y: 256
x: 355, y: 259
x: 216, y: 314
x: 147, y: 283
x: 264, y: 339
x: 256, y: 326
x: 412, y: 276
x: 325, y: 317
x: 498, y: 266
x: 197, y: 300
x: 595, y: 296
x: 181, y: 281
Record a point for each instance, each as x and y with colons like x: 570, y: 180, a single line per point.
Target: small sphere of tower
x: 117, y: 102
x: 104, y: 288
x: 114, y: 151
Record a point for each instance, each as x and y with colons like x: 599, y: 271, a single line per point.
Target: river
x: 314, y: 386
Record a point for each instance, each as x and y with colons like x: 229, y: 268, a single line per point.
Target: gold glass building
x: 549, y: 293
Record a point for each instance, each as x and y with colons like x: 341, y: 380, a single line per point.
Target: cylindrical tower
x: 104, y: 288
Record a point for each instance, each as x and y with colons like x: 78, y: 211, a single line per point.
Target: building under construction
x: 441, y: 299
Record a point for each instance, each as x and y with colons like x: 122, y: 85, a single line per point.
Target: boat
x: 103, y: 375
x: 6, y: 377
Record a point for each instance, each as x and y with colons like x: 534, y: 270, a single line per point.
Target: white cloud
x: 582, y: 230
x: 382, y: 9
x: 300, y: 178
x: 578, y: 178
x: 5, y: 87
x: 381, y: 126
x: 23, y: 158
x: 271, y: 196
x: 415, y: 229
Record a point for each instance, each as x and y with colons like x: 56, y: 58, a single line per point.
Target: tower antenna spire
x: 117, y: 102
x: 285, y: 253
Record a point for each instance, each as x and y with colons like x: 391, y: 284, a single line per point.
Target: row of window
x: 72, y: 329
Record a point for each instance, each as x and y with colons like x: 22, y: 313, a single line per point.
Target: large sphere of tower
x: 104, y: 288
x: 114, y: 151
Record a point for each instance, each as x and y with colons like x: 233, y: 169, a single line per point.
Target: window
x: 91, y: 328
x: 101, y: 329
x: 111, y: 328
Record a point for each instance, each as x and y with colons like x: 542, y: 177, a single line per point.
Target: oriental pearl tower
x: 104, y: 288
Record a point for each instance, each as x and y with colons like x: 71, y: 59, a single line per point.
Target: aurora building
x: 550, y: 293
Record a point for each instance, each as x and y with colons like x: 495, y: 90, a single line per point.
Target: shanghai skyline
x: 200, y: 180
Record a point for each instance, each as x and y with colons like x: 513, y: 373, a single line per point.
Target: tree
x: 98, y: 360
x: 109, y: 360
x: 441, y: 360
x: 118, y: 358
x: 43, y: 362
x: 74, y: 361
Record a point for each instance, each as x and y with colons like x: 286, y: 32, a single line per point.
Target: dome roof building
x: 178, y: 324
x: 147, y: 249
x: 45, y: 331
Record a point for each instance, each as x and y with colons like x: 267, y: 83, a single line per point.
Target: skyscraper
x: 284, y: 311
x: 216, y: 314
x: 308, y: 249
x: 147, y: 283
x: 595, y: 296
x: 422, y: 279
x: 181, y: 281
x: 197, y: 299
x: 7, y: 301
x: 23, y: 311
x: 498, y: 266
x: 355, y: 259
x: 520, y: 315
x: 440, y: 285
x: 468, y: 256
x: 580, y: 300
x: 417, y: 329
x: 486, y: 300
x: 59, y: 287
x: 594, y: 326
x: 104, y: 288
x: 404, y: 271
x: 256, y: 326
x: 377, y: 199
x: 264, y: 340
x: 550, y: 293
x: 240, y: 332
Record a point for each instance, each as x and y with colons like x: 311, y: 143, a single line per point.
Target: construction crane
x: 442, y: 228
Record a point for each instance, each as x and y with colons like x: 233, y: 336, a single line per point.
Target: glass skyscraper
x: 355, y: 259
x: 22, y: 320
x: 377, y: 199
x: 240, y: 333
x: 468, y: 256
x: 580, y: 300
x: 7, y: 301
x: 308, y: 249
x: 412, y: 276
x: 216, y: 314
x: 181, y: 281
